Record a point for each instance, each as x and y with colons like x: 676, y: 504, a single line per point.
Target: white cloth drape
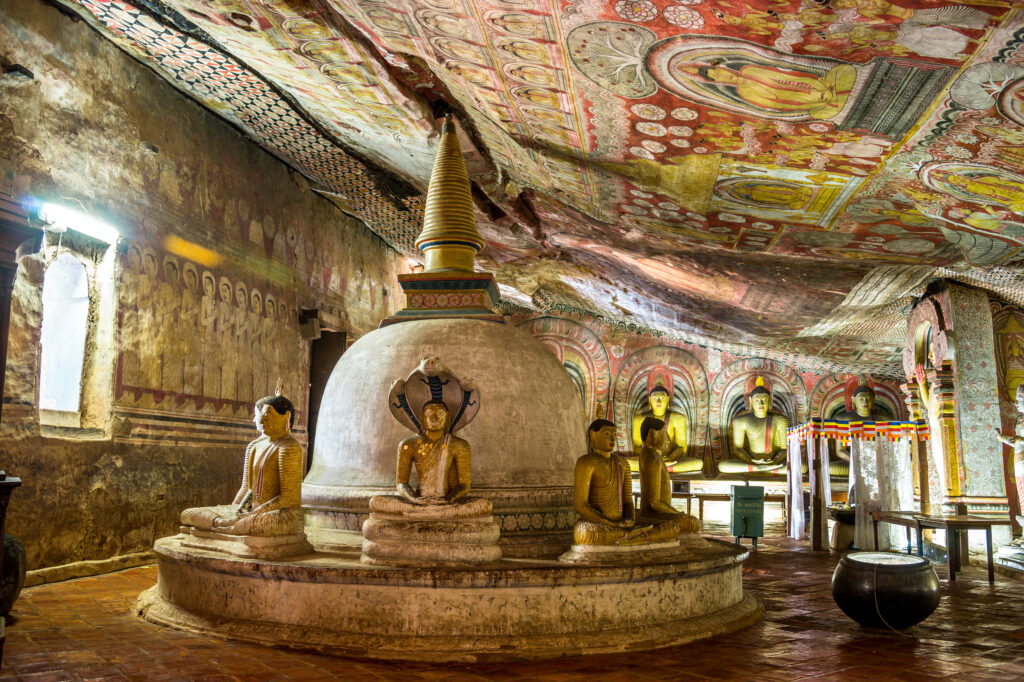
x: 862, y: 470
x: 826, y: 477
x: 796, y: 489
x: 880, y: 479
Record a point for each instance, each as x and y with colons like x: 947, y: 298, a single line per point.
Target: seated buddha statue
x: 757, y: 437
x: 268, y: 503
x: 603, y: 497
x: 864, y: 410
x: 864, y: 407
x: 435, y: 523
x: 676, y: 429
x: 655, y: 487
x: 441, y: 460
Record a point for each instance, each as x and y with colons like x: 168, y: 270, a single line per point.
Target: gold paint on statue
x: 269, y: 499
x: 442, y: 462
x: 677, y: 432
x: 655, y: 486
x: 603, y: 497
x: 757, y: 436
x: 449, y: 240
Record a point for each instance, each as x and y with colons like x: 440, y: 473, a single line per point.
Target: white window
x: 65, y: 323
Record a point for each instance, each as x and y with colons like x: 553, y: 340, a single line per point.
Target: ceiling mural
x: 785, y: 174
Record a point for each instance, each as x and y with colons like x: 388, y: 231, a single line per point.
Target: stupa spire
x: 449, y: 240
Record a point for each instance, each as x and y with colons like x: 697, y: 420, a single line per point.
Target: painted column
x: 980, y: 472
x: 918, y: 447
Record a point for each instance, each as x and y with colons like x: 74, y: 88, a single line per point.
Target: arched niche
x: 728, y: 396
x: 828, y: 398
x: 62, y: 337
x: 582, y: 354
x: 689, y: 392
x: 1008, y: 328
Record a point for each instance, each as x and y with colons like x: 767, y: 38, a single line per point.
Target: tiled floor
x: 84, y: 629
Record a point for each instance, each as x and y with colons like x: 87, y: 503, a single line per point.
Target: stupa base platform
x: 518, y: 609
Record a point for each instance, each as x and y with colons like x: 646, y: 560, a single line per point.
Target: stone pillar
x: 951, y: 367
x: 976, y: 381
x: 941, y: 391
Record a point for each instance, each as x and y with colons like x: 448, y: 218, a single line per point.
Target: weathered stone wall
x: 192, y: 318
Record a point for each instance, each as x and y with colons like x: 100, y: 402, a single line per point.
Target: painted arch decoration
x: 728, y: 391
x: 828, y: 397
x: 582, y: 354
x: 683, y: 376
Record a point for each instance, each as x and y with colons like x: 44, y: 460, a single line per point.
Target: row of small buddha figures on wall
x: 439, y: 522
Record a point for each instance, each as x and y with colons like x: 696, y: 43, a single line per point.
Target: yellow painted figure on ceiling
x: 771, y: 88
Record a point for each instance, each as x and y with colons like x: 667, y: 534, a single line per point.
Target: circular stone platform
x: 514, y: 609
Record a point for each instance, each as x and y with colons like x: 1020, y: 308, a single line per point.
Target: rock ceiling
x: 780, y: 175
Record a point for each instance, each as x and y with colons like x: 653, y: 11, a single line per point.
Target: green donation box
x: 747, y: 503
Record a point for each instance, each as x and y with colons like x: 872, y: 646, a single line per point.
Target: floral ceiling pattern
x: 787, y: 175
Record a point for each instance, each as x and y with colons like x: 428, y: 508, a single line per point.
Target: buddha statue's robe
x: 608, y: 499
x: 273, y: 474
x: 656, y: 494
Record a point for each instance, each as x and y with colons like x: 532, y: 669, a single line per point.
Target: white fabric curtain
x: 880, y: 479
x: 796, y: 495
x: 826, y: 477
x: 863, y: 491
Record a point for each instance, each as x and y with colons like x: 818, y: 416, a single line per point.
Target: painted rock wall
x: 192, y: 317
x: 614, y: 368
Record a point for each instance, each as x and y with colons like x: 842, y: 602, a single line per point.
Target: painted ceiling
x: 782, y: 176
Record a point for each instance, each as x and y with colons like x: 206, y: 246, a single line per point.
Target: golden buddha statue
x: 757, y: 436
x: 435, y: 523
x: 677, y: 431
x: 1016, y: 441
x: 441, y: 460
x: 655, y: 487
x: 265, y: 519
x: 864, y: 410
x: 864, y: 407
x: 603, y: 497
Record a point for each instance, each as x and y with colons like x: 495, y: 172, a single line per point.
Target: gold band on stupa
x: 449, y: 240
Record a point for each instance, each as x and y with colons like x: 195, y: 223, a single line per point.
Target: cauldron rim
x: 895, y: 562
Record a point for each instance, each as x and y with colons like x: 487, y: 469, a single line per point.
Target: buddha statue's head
x: 760, y: 400
x: 434, y: 416
x: 1020, y: 398
x: 653, y: 434
x: 658, y: 399
x: 601, y: 434
x: 274, y: 416
x: 864, y: 401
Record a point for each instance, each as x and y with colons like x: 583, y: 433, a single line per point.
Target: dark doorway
x: 324, y: 353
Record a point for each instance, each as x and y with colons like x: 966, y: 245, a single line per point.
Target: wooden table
x: 726, y: 497
x: 714, y: 497
x: 953, y: 525
x: 897, y: 518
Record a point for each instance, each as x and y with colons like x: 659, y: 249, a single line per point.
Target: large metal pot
x: 885, y: 589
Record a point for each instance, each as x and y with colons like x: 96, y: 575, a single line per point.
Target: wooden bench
x: 716, y: 497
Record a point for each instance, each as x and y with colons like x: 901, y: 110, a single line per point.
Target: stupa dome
x: 525, y: 439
